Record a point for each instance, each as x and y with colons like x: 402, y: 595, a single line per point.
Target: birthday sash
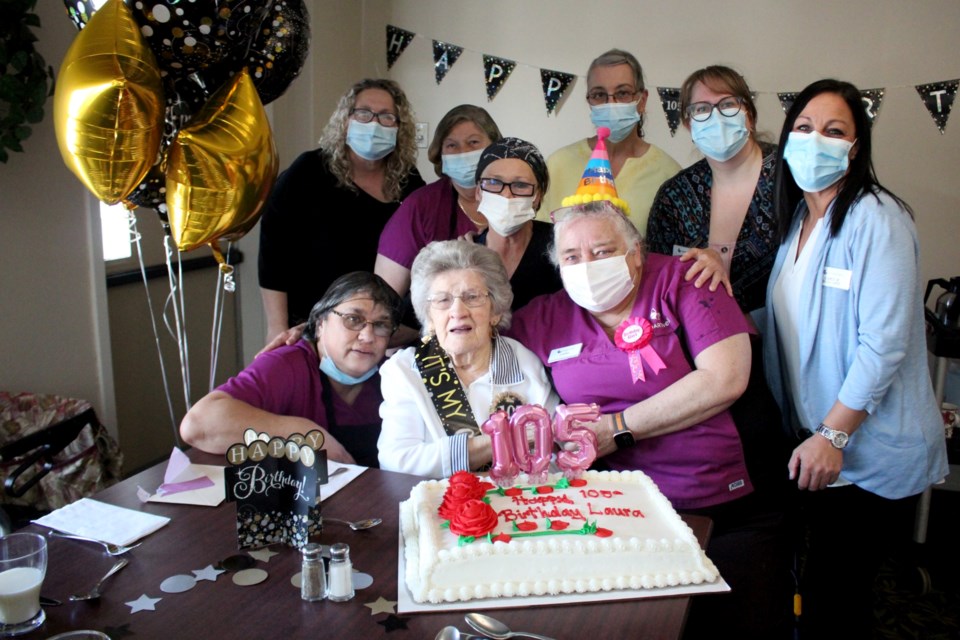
x: 446, y: 392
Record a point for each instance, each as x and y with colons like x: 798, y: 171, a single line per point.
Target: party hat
x: 597, y: 181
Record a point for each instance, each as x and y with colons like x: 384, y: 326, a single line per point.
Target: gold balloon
x: 221, y: 167
x: 108, y: 104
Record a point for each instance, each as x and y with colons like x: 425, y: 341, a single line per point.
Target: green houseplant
x: 25, y: 78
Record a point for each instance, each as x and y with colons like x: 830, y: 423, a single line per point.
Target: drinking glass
x: 23, y: 565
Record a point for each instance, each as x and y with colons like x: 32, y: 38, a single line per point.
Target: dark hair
x: 860, y: 180
x: 722, y: 80
x: 462, y: 113
x: 346, y: 286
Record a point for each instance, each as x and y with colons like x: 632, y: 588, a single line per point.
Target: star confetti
x: 143, y: 603
x: 382, y: 605
x: 207, y: 573
x: 392, y: 623
x: 263, y: 555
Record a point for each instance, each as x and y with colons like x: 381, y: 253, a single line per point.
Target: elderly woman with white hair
x: 438, y: 393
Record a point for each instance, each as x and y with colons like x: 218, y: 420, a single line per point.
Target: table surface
x: 199, y: 536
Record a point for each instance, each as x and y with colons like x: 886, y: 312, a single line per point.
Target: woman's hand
x: 707, y: 266
x: 290, y: 336
x: 815, y: 464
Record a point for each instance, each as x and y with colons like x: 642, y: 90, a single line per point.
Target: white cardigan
x: 413, y: 439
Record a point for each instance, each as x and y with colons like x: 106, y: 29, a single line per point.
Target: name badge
x: 565, y: 353
x: 679, y: 250
x: 837, y: 278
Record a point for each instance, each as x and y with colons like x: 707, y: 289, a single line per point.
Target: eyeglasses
x: 701, y: 111
x: 492, y: 185
x: 471, y: 298
x: 599, y: 96
x: 385, y: 118
x: 353, y: 322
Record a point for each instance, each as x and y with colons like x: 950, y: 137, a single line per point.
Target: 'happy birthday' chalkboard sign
x: 275, y: 483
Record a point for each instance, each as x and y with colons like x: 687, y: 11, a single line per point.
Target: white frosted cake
x: 464, y: 539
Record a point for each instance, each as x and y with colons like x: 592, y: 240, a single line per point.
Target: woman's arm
x: 218, y: 421
x: 275, y: 308
x: 396, y: 275
x: 720, y: 377
x: 816, y: 463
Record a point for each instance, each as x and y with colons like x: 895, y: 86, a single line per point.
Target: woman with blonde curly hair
x: 338, y: 196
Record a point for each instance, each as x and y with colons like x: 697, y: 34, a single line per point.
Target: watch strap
x: 622, y: 436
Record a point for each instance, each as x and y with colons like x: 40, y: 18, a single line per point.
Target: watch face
x: 840, y: 439
x: 624, y: 439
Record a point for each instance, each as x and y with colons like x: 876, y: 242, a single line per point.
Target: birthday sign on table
x: 275, y: 483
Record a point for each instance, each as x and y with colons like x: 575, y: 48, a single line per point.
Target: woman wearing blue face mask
x: 327, y: 380
x: 718, y: 212
x: 444, y: 209
x: 845, y: 356
x: 618, y: 100
x: 337, y: 197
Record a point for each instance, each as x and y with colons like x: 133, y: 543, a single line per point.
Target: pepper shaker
x: 313, y: 578
x: 340, y: 588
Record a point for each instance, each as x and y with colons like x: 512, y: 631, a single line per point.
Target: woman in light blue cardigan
x: 846, y: 356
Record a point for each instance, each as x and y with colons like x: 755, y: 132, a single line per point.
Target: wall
x: 777, y: 45
x: 54, y: 332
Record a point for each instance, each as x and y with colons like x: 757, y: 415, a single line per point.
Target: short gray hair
x: 600, y: 210
x: 614, y: 57
x: 438, y: 257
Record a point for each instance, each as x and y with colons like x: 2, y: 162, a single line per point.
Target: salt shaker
x: 313, y: 578
x: 340, y: 588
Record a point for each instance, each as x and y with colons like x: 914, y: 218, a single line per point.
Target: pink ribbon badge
x: 633, y: 336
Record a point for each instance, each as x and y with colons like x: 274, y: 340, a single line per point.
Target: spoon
x: 495, y: 629
x: 94, y: 593
x: 111, y: 549
x: 452, y: 633
x: 357, y: 525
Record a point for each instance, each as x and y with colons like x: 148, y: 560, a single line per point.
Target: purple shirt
x: 425, y: 215
x: 699, y: 466
x: 287, y: 381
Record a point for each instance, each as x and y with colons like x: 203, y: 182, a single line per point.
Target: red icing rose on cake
x: 474, y: 518
x: 463, y: 486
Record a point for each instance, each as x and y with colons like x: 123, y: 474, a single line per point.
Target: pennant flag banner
x: 397, y: 41
x: 872, y: 99
x: 444, y: 55
x: 495, y: 74
x: 670, y: 99
x: 555, y: 85
x: 938, y: 99
x: 786, y: 99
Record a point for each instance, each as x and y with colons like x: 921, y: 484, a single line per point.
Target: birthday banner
x: 937, y: 97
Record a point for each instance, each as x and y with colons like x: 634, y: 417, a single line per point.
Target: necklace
x: 481, y: 224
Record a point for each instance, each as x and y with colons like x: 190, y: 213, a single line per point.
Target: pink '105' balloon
x: 504, y: 470
x: 568, y: 421
x: 533, y: 463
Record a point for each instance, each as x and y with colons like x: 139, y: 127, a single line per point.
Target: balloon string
x: 178, y: 331
x: 224, y: 280
x: 135, y: 240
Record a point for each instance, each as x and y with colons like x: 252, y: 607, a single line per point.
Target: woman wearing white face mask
x: 618, y: 100
x: 663, y: 360
x: 341, y: 194
x: 718, y: 212
x: 511, y: 178
x: 444, y: 209
x: 845, y: 355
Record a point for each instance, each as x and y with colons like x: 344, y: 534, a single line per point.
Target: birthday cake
x: 466, y: 539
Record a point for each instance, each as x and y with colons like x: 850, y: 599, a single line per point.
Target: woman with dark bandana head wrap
x: 511, y: 180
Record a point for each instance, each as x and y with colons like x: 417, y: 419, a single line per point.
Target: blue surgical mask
x: 816, y: 162
x: 462, y: 167
x: 371, y: 140
x: 329, y: 367
x: 719, y: 137
x: 620, y: 117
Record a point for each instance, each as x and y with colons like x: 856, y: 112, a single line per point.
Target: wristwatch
x: 838, y: 439
x: 622, y: 436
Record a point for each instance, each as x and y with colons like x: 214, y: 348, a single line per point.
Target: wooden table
x: 199, y: 536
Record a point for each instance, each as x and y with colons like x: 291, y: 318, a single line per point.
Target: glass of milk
x: 23, y: 564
